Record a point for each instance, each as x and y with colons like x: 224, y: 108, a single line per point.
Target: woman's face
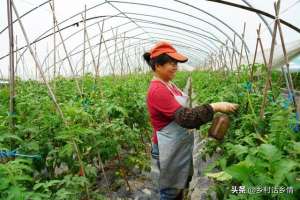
x: 166, y: 71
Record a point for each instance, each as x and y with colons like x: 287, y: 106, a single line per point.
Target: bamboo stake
x: 223, y: 56
x: 100, y: 163
x: 115, y: 49
x: 123, y: 172
x: 234, y: 53
x: 112, y: 68
x: 17, y: 61
x: 269, y: 64
x: 90, y: 48
x: 230, y: 56
x: 83, y: 52
x: 36, y: 70
x: 127, y: 62
x: 23, y: 65
x: 241, y: 52
x: 100, y: 45
x: 37, y: 62
x: 123, y: 49
x: 1, y: 74
x: 54, y: 41
x: 65, y: 49
x: 11, y: 67
x: 116, y: 52
x: 287, y: 64
x: 255, y: 52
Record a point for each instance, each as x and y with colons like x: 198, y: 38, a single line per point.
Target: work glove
x: 224, y: 107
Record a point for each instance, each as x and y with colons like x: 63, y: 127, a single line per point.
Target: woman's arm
x: 194, y: 117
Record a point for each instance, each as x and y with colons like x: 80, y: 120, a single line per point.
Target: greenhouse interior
x: 150, y: 99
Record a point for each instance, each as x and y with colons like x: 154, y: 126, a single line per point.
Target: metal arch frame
x: 123, y: 32
x: 216, y: 18
x: 176, y: 11
x: 112, y: 16
x: 121, y: 13
x: 205, y: 45
x: 149, y: 41
x: 266, y: 14
x: 132, y: 29
x: 94, y: 36
x: 185, y: 14
x: 260, y: 16
x: 295, y: 28
x: 128, y: 55
x: 94, y: 46
x: 44, y: 3
x: 166, y: 18
x: 98, y: 43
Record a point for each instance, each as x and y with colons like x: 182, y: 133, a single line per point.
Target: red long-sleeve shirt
x: 161, y: 105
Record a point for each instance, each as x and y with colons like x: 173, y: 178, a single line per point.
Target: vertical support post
x: 287, y: 64
x: 255, y: 53
x: 11, y: 66
x: 122, y: 57
x: 65, y: 49
x: 17, y: 61
x: 99, y: 50
x: 274, y: 34
x: 89, y: 44
x: 233, y: 52
x: 84, y: 43
x: 54, y: 41
x: 242, y: 47
x: 110, y: 63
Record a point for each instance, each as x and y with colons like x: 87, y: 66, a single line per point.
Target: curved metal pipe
x: 122, y: 13
x: 295, y: 28
x: 94, y: 46
x: 260, y: 16
x: 127, y: 31
x: 219, y: 20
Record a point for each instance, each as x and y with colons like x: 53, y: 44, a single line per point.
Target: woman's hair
x: 159, y: 60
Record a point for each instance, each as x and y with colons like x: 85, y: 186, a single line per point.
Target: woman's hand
x: 224, y: 107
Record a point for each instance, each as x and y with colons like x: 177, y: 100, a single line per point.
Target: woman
x: 171, y: 118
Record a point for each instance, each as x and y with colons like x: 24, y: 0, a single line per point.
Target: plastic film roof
x: 119, y: 32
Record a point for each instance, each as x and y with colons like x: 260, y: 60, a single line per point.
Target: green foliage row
x: 254, y: 153
x: 108, y: 122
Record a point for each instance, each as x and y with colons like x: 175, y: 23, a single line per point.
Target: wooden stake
x: 11, y: 67
x: 54, y: 41
x: 242, y: 47
x: 100, y: 45
x: 269, y: 64
x: 287, y: 64
x: 65, y: 49
x: 123, y: 50
x: 37, y: 63
x: 112, y: 68
x: 90, y: 46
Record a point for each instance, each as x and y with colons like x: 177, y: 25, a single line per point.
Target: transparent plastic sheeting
x: 197, y: 28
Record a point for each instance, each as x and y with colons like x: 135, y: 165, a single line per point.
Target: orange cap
x: 167, y: 48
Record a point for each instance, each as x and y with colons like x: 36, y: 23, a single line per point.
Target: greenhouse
x: 150, y: 99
